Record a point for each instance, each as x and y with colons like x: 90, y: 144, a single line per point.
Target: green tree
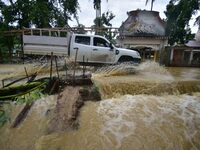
x: 178, y: 15
x: 41, y: 13
x: 68, y: 8
x: 22, y: 12
x: 97, y: 4
x: 102, y: 23
x: 97, y: 7
x: 16, y: 14
x: 104, y: 20
x: 6, y: 43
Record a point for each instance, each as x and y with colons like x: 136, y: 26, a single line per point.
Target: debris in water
x: 21, y: 116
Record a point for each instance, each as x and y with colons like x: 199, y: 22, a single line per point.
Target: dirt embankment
x: 69, y: 102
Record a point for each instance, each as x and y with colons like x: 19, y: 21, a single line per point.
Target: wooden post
x: 49, y: 32
x: 22, y: 115
x: 191, y: 57
x: 3, y: 83
x: 87, y: 63
x: 26, y: 73
x: 56, y: 66
x: 83, y: 66
x: 143, y: 54
x: 66, y: 68
x: 40, y: 32
x: 150, y: 54
x: 58, y: 33
x: 51, y: 65
x: 155, y: 55
x: 75, y: 64
x: 22, y: 47
x: 171, y: 56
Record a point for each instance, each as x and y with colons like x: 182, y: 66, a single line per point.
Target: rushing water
x: 148, y: 78
x: 144, y: 107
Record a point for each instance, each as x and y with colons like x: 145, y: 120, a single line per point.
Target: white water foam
x: 116, y: 70
x: 163, y: 116
x: 115, y: 117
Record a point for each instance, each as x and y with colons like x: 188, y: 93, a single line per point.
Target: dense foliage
x: 17, y: 14
x: 39, y: 13
x: 102, y: 23
x: 179, y: 13
x: 104, y: 20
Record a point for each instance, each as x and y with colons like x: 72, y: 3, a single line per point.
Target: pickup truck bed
x: 43, y: 44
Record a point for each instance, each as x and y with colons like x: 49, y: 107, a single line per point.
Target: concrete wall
x: 156, y: 44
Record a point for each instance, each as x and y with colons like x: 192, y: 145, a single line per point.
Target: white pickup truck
x: 94, y: 48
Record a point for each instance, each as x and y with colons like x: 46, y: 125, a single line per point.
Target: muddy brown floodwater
x: 143, y: 107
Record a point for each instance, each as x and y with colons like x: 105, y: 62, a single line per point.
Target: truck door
x: 101, y: 51
x: 83, y: 43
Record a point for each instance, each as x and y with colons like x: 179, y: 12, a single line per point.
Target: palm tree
x: 97, y: 7
x: 152, y: 1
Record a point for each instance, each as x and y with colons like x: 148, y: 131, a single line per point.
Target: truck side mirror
x: 111, y: 47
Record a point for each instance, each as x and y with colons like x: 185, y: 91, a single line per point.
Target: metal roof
x: 193, y: 43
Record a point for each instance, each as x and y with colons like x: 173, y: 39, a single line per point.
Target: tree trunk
x: 152, y: 4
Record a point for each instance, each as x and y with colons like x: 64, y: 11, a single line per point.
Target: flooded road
x: 143, y: 107
x: 133, y: 122
x: 147, y: 78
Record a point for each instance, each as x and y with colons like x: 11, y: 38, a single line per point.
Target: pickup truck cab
x: 94, y: 48
x: 98, y: 49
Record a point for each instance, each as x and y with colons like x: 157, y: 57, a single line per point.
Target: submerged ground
x: 143, y: 107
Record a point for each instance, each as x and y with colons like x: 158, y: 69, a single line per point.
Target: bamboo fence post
x: 83, y: 65
x: 66, y: 68
x: 75, y: 65
x: 22, y: 47
x: 3, y: 83
x: 51, y: 65
x: 26, y: 73
x: 56, y: 66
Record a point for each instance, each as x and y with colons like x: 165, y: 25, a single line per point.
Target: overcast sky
x: 120, y: 8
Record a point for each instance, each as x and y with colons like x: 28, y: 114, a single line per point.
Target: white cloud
x: 119, y: 9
